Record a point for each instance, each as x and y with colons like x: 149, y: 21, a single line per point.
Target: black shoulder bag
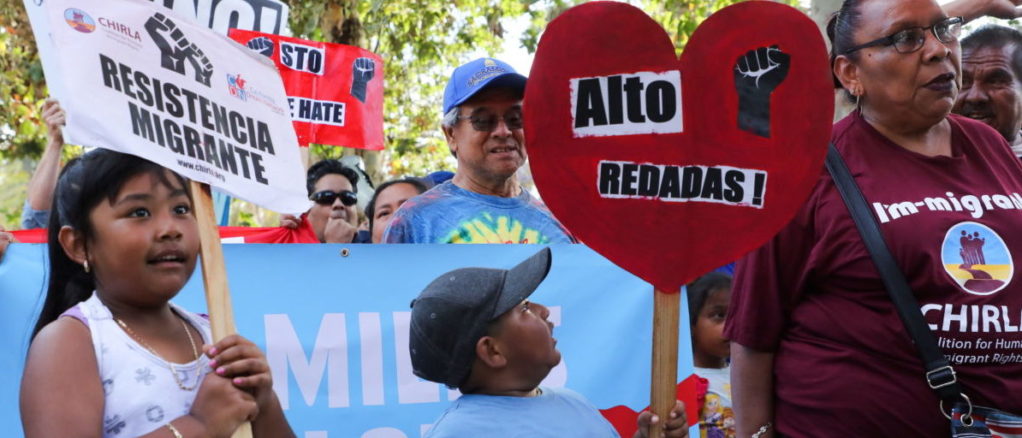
x: 966, y: 420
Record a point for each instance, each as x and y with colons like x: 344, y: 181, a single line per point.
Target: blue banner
x: 333, y: 321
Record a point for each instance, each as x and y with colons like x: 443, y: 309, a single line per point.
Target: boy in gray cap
x: 473, y: 329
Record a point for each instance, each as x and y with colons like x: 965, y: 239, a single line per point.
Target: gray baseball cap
x: 452, y: 313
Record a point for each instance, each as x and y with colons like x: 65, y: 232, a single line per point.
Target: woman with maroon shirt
x: 818, y: 349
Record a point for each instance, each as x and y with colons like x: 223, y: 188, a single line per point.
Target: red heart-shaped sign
x: 673, y: 169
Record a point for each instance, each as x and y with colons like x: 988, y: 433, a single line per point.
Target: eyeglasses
x: 912, y: 39
x: 488, y: 122
x: 327, y: 197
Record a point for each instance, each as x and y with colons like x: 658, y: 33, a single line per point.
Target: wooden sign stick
x: 663, y: 393
x: 214, y: 274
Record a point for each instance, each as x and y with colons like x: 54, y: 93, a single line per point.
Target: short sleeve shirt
x: 555, y: 413
x: 844, y: 364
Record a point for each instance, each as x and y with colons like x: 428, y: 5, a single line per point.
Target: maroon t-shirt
x: 844, y: 364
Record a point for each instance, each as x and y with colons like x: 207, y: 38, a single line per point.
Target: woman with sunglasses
x: 818, y: 349
x: 333, y: 217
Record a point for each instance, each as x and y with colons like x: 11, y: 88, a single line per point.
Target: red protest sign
x: 335, y: 91
x: 672, y: 168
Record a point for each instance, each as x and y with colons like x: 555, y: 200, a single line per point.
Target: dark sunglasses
x: 327, y: 197
x: 912, y: 39
x: 488, y: 122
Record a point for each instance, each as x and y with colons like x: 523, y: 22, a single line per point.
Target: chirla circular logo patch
x: 976, y: 258
x: 79, y: 20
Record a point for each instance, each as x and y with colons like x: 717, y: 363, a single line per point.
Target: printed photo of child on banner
x: 335, y: 91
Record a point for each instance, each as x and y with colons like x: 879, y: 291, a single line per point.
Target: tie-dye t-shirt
x: 449, y: 214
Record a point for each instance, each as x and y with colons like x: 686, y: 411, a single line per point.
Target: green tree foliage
x: 420, y: 41
x: 22, y: 87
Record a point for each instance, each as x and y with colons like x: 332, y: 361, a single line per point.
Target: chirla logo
x: 236, y: 86
x: 175, y: 49
x: 79, y: 20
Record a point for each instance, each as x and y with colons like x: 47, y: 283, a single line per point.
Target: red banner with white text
x: 335, y: 91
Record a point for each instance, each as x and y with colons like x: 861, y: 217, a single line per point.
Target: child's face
x: 145, y: 242
x: 710, y: 347
x: 526, y: 339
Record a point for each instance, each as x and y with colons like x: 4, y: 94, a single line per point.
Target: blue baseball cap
x: 474, y: 76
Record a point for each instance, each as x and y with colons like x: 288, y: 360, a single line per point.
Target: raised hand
x: 757, y: 73
x: 972, y: 9
x: 362, y: 71
x: 1006, y: 9
x: 55, y: 118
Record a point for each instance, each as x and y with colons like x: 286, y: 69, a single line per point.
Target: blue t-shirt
x: 556, y: 413
x: 450, y: 214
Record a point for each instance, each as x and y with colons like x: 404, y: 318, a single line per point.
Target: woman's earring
x: 85, y: 265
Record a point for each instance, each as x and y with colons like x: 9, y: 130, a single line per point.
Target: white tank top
x: 140, y: 393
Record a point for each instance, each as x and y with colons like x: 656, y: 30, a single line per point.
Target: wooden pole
x: 214, y: 274
x: 663, y: 393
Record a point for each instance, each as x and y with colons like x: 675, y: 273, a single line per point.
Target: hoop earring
x: 85, y: 265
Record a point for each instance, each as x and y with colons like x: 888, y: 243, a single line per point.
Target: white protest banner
x: 268, y: 16
x: 142, y: 81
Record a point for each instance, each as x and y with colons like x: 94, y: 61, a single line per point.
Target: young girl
x: 708, y: 299
x: 111, y: 356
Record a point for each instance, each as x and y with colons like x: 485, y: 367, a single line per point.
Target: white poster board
x: 270, y: 16
x: 138, y: 79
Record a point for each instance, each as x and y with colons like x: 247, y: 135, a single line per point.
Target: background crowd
x: 807, y: 326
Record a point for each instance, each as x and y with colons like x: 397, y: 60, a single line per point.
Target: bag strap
x: 939, y: 374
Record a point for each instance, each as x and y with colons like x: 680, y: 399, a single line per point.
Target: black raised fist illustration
x: 261, y: 45
x: 362, y: 71
x: 757, y: 73
x: 174, y: 52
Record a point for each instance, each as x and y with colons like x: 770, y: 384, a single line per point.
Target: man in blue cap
x: 483, y: 203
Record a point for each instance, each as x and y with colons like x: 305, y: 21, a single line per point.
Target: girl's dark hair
x: 698, y: 291
x: 371, y: 208
x: 840, y: 29
x: 83, y: 184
